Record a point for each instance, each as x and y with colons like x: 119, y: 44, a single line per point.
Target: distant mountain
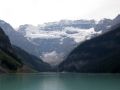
x: 56, y: 39
x: 53, y: 41
x: 83, y: 24
x: 18, y: 39
x: 14, y: 59
x: 98, y: 55
x: 116, y: 20
x: 103, y: 25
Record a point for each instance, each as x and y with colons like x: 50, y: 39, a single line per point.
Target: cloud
x: 18, y: 12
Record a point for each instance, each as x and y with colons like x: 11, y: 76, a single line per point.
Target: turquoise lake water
x: 56, y: 81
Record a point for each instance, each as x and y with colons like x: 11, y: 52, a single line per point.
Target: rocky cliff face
x: 100, y: 54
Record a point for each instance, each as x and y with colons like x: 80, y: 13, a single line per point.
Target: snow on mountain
x: 103, y: 25
x: 27, y: 29
x: 80, y: 35
x: 57, y: 39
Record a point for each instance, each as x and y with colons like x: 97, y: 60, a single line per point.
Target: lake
x: 59, y: 81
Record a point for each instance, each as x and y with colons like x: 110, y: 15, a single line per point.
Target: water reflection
x: 59, y: 82
x: 31, y: 82
x: 53, y: 82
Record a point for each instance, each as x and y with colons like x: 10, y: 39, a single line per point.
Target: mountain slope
x: 15, y: 59
x: 32, y: 61
x: 9, y: 62
x: 18, y: 39
x: 101, y: 54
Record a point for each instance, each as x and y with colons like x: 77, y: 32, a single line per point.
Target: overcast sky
x: 17, y: 12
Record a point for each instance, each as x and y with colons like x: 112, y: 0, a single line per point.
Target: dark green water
x: 53, y: 81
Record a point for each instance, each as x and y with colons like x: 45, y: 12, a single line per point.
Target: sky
x: 19, y: 12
